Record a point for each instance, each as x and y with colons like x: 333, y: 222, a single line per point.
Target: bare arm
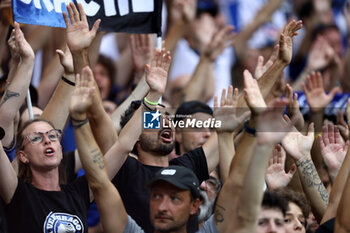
x: 8, y: 180
x: 342, y: 224
x: 317, y: 100
x: 335, y: 150
x: 138, y: 93
x: 181, y: 13
x: 299, y: 147
x: 262, y: 16
x: 225, y: 138
x: 269, y: 78
x: 16, y: 91
x: 79, y: 39
x: 107, y: 197
x: 57, y: 110
x: 202, y: 81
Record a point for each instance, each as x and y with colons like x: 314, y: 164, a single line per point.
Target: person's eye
x: 279, y: 223
x: 287, y: 220
x: 36, y: 138
x: 52, y: 136
x: 156, y: 196
x: 175, y: 199
x: 262, y: 223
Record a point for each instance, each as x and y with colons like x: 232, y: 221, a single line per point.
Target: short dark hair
x: 124, y: 119
x: 297, y: 198
x: 273, y: 200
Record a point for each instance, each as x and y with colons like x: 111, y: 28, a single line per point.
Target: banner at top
x: 133, y: 16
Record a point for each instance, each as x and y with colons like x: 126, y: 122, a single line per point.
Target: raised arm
x: 317, y: 100
x: 276, y: 177
x: 226, y: 113
x: 342, y: 224
x: 57, y: 110
x: 110, y: 206
x: 293, y: 107
x: 181, y: 13
x: 142, y: 50
x: 16, y: 90
x: 244, y: 153
x: 299, y: 146
x: 202, y: 81
x: 269, y: 78
x: 242, y: 214
x: 8, y: 179
x: 156, y: 77
x: 332, y: 149
x: 79, y: 39
x: 261, y: 17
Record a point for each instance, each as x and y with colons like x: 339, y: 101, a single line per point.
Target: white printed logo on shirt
x: 63, y: 223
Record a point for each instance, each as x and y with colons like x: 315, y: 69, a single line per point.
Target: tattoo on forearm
x: 8, y: 94
x: 97, y: 158
x: 219, y: 217
x: 311, y: 178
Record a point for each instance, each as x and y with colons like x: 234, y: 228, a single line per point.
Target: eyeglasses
x: 37, y: 137
x: 213, y: 184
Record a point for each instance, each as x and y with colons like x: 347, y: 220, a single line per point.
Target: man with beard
x: 189, y: 139
x: 152, y: 151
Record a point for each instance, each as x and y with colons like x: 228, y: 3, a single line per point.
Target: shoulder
x: 209, y: 226
x: 132, y: 227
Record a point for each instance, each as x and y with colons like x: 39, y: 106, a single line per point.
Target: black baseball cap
x: 181, y: 177
x: 192, y: 107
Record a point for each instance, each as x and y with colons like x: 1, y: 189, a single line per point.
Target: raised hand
x: 221, y: 40
x: 321, y: 55
x: 286, y: 40
x: 333, y: 149
x: 183, y: 9
x: 271, y: 127
x: 293, y: 107
x: 24, y: 48
x: 79, y: 37
x: 252, y: 94
x: 157, y: 73
x: 14, y: 50
x: 315, y: 94
x: 298, y: 145
x: 227, y: 112
x: 342, y: 125
x: 66, y: 60
x: 82, y: 97
x: 142, y: 46
x: 261, y: 68
x: 275, y: 176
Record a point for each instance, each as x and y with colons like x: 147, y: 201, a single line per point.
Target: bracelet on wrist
x: 150, y: 102
x: 147, y: 107
x: 248, y: 129
x: 78, y: 123
x: 64, y: 79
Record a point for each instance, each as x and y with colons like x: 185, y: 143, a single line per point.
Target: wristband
x: 248, y: 129
x: 79, y: 123
x: 150, y: 102
x: 147, y: 107
x: 68, y: 81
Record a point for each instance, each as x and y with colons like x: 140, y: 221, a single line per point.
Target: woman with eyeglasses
x: 35, y: 200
